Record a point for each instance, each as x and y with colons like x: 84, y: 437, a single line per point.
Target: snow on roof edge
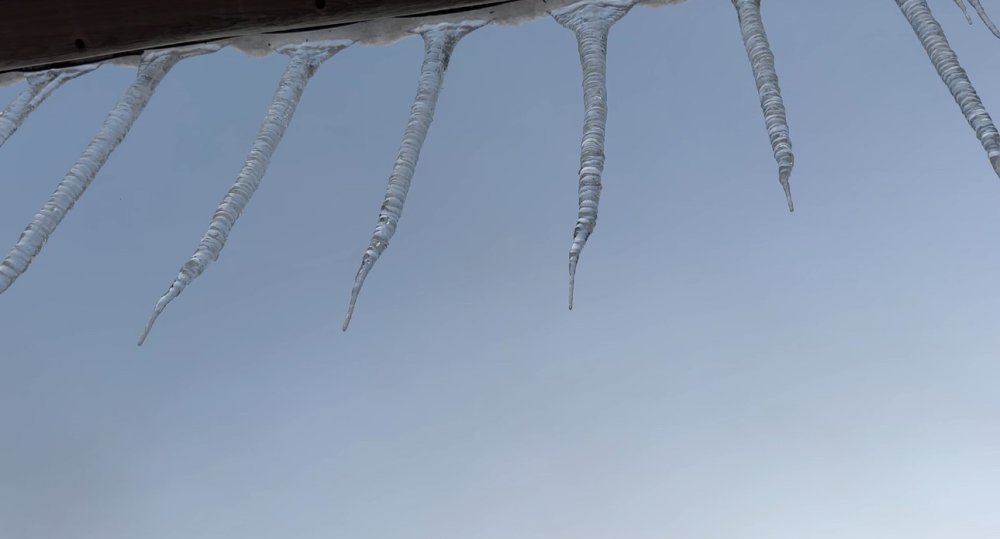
x: 378, y: 32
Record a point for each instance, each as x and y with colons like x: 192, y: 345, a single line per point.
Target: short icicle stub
x: 439, y: 43
x: 590, y: 21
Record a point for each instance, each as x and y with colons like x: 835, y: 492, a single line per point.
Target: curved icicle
x: 946, y: 63
x: 981, y: 11
x: 762, y: 62
x: 40, y: 87
x: 965, y: 11
x: 305, y: 60
x: 439, y: 42
x: 152, y: 68
x: 590, y: 21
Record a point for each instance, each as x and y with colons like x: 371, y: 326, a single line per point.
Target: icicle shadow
x: 152, y: 68
x: 40, y: 87
x: 945, y: 61
x: 590, y: 21
x: 439, y: 43
x: 764, y: 73
x: 305, y: 60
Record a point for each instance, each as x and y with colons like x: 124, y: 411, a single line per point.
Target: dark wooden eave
x: 38, y: 34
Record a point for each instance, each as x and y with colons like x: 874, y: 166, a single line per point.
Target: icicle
x: 152, y: 68
x: 981, y: 11
x: 40, y: 87
x: 590, y: 21
x: 305, y: 60
x: 946, y: 63
x: 762, y: 62
x: 439, y: 42
x: 965, y: 11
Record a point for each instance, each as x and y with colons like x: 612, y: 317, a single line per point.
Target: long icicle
x: 981, y: 11
x: 946, y: 63
x: 305, y: 60
x: 762, y: 62
x: 590, y: 21
x: 40, y: 87
x: 439, y: 42
x: 965, y: 11
x: 152, y: 68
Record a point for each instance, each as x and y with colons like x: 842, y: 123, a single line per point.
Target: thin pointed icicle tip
x: 946, y: 63
x: 439, y: 43
x: 985, y: 17
x: 305, y: 60
x: 771, y: 103
x: 590, y: 21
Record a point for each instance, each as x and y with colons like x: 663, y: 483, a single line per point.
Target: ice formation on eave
x: 439, y: 43
x: 305, y: 60
x: 154, y: 66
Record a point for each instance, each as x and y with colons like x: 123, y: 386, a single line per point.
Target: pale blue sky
x: 729, y: 371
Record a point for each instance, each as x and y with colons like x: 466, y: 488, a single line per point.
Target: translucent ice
x: 762, y: 62
x: 946, y: 63
x: 590, y: 21
x: 152, y: 68
x: 305, y: 60
x: 439, y: 42
x: 40, y: 87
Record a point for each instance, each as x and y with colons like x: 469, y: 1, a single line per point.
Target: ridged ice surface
x: 762, y: 62
x: 40, y: 87
x: 153, y: 67
x: 439, y: 42
x: 946, y: 63
x: 590, y: 21
x: 305, y: 60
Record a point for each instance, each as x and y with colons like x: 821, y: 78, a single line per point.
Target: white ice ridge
x: 946, y: 63
x: 305, y: 60
x: 439, y: 42
x: 152, y: 69
x: 40, y: 87
x: 590, y: 21
x: 762, y: 62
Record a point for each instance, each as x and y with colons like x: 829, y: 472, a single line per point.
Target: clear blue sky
x: 729, y: 371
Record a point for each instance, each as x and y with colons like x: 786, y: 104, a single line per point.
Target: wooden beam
x: 38, y: 34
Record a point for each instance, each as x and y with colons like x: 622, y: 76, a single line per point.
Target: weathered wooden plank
x: 45, y: 33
